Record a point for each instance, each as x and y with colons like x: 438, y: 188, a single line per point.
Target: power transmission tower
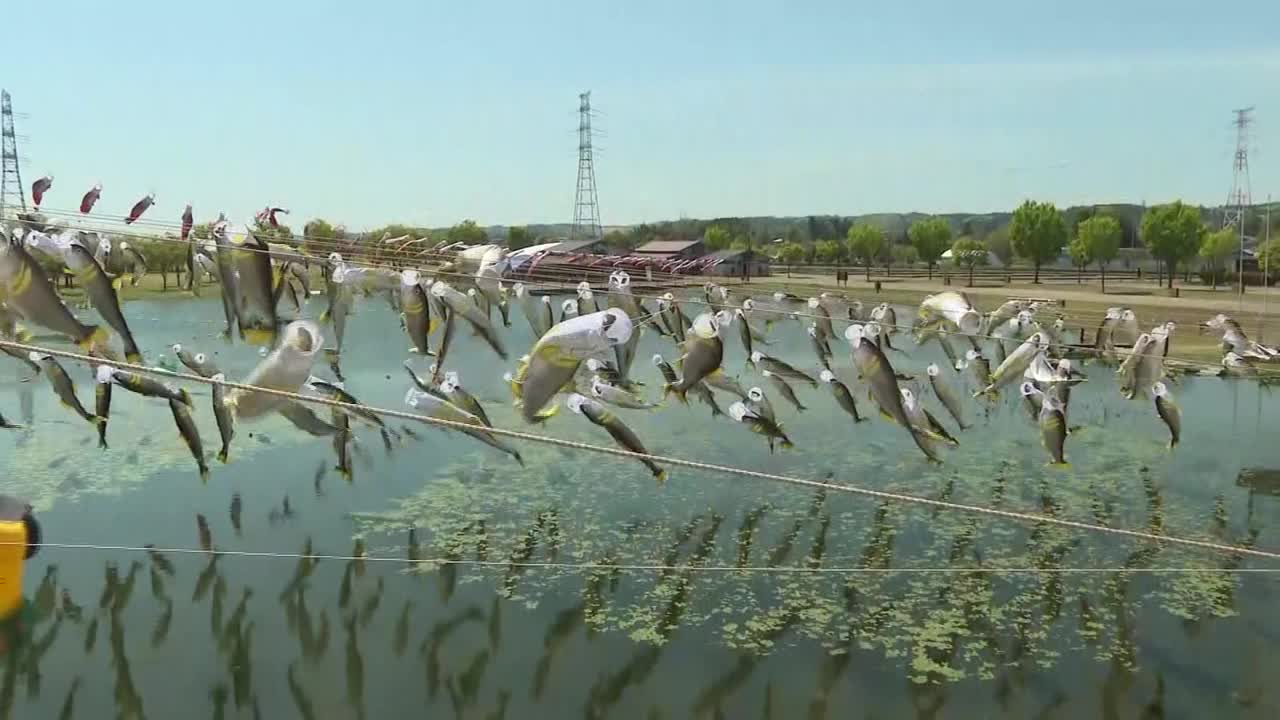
x: 11, y: 191
x: 586, y: 207
x: 1238, y: 201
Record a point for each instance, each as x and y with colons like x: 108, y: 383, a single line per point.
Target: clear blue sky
x: 427, y: 112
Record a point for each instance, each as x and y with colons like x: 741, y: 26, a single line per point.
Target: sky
x: 427, y: 113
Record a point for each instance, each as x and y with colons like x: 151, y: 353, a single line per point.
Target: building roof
x: 725, y: 255
x: 666, y: 247
x: 569, y: 246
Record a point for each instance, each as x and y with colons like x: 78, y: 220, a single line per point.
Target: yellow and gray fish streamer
x: 618, y: 430
x: 1168, y: 411
x: 437, y: 407
x: 222, y: 414
x: 844, y: 398
x: 882, y: 382
x: 759, y: 424
x: 62, y: 384
x: 945, y: 396
x: 198, y: 362
x: 285, y: 368
x: 554, y: 360
x: 26, y: 289
x: 190, y: 435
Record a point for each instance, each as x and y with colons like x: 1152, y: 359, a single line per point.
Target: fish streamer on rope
x: 677, y: 462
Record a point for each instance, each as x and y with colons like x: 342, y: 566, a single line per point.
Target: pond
x: 908, y: 610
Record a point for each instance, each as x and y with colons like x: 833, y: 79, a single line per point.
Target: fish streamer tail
x: 681, y: 394
x: 94, y: 335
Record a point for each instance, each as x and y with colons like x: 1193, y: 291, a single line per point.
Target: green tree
x: 866, y: 243
x: 930, y: 238
x: 791, y: 253
x: 618, y: 239
x: 1173, y: 233
x: 1037, y: 233
x: 467, y: 232
x: 743, y: 242
x: 1268, y: 255
x: 318, y: 238
x: 202, y: 231
x: 518, y: 237
x: 1101, y: 235
x: 906, y: 254
x: 716, y: 238
x: 1078, y: 251
x: 829, y: 252
x: 999, y: 245
x: 1216, y: 247
x: 969, y: 252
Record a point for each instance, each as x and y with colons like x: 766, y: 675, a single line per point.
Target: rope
x: 642, y: 567
x: 673, y: 461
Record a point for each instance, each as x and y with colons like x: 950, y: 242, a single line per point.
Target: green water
x: 373, y: 639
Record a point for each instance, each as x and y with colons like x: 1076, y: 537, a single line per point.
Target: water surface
x: 948, y: 635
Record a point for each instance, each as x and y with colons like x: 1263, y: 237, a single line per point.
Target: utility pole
x: 11, y: 188
x: 1238, y: 201
x: 586, y: 207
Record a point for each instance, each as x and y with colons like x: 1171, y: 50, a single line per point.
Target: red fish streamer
x: 90, y: 198
x: 140, y: 207
x: 40, y: 187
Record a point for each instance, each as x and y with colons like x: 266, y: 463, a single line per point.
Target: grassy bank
x: 1082, y: 306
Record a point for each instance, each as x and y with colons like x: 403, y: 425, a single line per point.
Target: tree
x: 716, y: 238
x: 618, y: 239
x: 1078, y: 250
x: 318, y: 238
x: 202, y: 231
x: 743, y: 242
x: 1037, y: 233
x: 1268, y: 251
x: 791, y: 253
x: 518, y: 237
x: 467, y: 232
x: 1173, y: 233
x: 829, y: 252
x: 969, y: 252
x: 1101, y: 235
x: 1216, y: 247
x: 998, y: 243
x: 866, y: 243
x: 906, y: 255
x: 930, y: 238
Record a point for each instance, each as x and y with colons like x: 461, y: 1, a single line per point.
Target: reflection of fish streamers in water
x: 87, y: 470
x: 942, y: 626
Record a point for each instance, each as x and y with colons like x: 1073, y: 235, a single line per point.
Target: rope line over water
x: 673, y: 461
x: 642, y: 567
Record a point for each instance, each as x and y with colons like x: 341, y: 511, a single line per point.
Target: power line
x: 586, y: 206
x: 883, y: 495
x: 11, y: 188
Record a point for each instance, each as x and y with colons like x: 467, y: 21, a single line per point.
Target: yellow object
x: 13, y: 553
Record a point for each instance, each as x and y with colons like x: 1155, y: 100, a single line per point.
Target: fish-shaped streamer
x: 139, y: 208
x: 285, y: 368
x: 555, y: 358
x: 618, y: 430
